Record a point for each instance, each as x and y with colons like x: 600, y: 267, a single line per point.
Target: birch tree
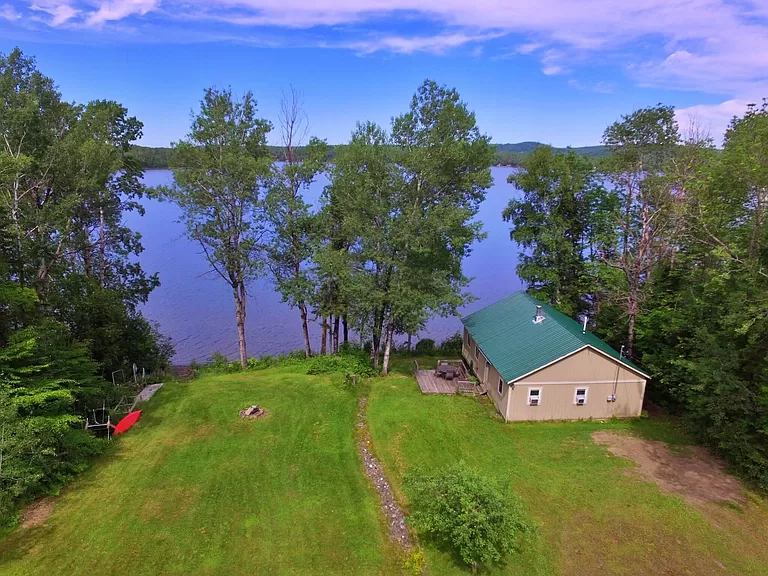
x: 641, y: 143
x: 408, y: 201
x: 292, y: 239
x: 218, y: 173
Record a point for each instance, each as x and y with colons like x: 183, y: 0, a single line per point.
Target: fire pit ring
x: 253, y: 412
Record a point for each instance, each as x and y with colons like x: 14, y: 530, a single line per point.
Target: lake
x: 195, y: 308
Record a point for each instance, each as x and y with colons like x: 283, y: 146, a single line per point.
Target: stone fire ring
x: 253, y: 412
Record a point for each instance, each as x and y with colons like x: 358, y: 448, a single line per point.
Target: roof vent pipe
x: 584, y: 329
x: 539, y: 318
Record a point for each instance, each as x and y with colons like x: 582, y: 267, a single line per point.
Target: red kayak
x: 126, y: 423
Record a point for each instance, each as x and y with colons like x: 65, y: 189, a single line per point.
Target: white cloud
x: 61, y: 13
x: 552, y: 70
x: 8, y: 13
x: 600, y: 87
x: 716, y: 46
x: 711, y: 118
x: 408, y: 45
x: 114, y: 10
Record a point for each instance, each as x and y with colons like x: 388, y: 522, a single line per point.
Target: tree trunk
x: 336, y: 334
x: 239, y: 293
x: 378, y: 321
x: 387, y: 347
x: 375, y: 351
x: 410, y: 336
x: 102, y: 247
x: 305, y: 328
x: 345, y: 328
x: 324, y: 337
x: 632, y: 312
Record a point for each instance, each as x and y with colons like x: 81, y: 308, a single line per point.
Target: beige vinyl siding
x: 489, y: 378
x: 491, y: 381
x: 468, y: 348
x: 585, y: 369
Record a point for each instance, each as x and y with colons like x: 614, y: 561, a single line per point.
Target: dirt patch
x: 398, y: 531
x: 36, y: 514
x: 696, y: 476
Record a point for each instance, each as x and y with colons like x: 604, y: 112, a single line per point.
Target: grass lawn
x: 594, y: 518
x: 193, y: 489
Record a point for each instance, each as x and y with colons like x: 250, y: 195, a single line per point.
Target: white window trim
x: 500, y: 388
x: 528, y: 400
x: 576, y: 395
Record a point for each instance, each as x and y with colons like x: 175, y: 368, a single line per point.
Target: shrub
x: 340, y: 363
x: 462, y: 510
x: 425, y: 347
x: 415, y: 563
x: 451, y: 346
x: 218, y: 364
x: 350, y: 348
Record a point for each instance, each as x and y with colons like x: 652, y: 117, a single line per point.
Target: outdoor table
x: 446, y: 371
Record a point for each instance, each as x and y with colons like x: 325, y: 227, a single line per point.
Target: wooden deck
x: 431, y: 384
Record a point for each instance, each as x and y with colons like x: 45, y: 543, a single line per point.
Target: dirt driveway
x: 697, y: 477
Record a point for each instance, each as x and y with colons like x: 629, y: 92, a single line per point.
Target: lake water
x: 195, y: 308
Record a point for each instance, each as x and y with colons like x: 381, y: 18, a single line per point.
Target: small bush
x: 462, y: 510
x: 340, y: 363
x: 451, y: 346
x: 220, y: 364
x: 415, y: 562
x: 350, y: 348
x: 425, y: 347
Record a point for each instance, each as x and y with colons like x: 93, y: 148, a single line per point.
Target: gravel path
x: 398, y: 531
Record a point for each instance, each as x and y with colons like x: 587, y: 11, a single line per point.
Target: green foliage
x: 425, y: 347
x: 671, y: 266
x: 340, y: 363
x: 415, y: 563
x: 561, y: 224
x: 44, y: 378
x: 400, y: 207
x: 293, y: 231
x: 218, y: 171
x: 70, y: 285
x: 451, y: 346
x: 465, y: 512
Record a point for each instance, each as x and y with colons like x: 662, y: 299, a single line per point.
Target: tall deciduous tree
x: 560, y: 223
x: 292, y: 238
x: 217, y: 177
x: 409, y: 199
x: 641, y: 144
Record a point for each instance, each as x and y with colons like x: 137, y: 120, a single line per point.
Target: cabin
x: 538, y: 364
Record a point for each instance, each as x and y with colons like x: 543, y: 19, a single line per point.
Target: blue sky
x: 556, y: 71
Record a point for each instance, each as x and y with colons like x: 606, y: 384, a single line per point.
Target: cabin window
x: 466, y: 338
x: 501, y: 387
x: 580, y: 396
x: 475, y: 350
x: 534, y: 396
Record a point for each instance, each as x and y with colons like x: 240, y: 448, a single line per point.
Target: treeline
x: 69, y: 282
x: 384, y: 252
x: 664, y: 246
x: 504, y: 155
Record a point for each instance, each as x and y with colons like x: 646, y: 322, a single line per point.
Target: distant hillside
x: 506, y: 154
x: 514, y: 154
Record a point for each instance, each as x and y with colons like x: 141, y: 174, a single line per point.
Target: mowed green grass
x: 194, y: 489
x: 594, y: 517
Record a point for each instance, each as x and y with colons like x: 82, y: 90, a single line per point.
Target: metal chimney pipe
x: 584, y: 329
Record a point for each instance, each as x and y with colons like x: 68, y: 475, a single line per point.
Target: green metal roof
x: 516, y: 346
